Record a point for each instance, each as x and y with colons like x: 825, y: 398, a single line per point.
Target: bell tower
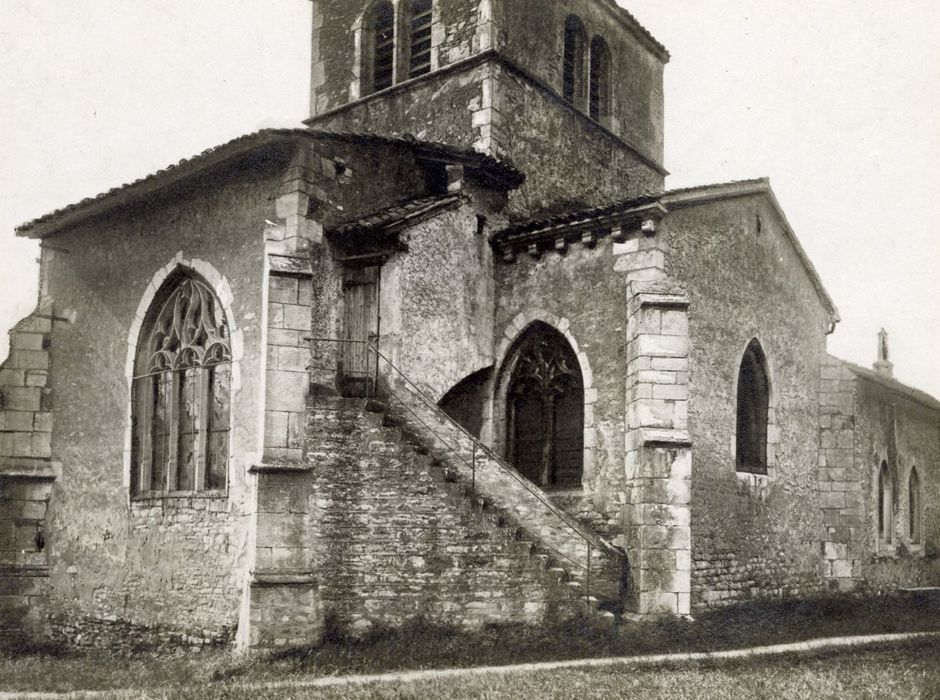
x: 571, y: 91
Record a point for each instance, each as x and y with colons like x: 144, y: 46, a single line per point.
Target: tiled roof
x: 572, y: 217
x: 893, y: 384
x: 392, y: 217
x: 497, y: 170
x: 718, y: 186
x: 640, y: 29
x: 517, y: 234
x: 174, y: 172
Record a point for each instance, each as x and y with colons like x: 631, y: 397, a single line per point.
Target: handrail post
x: 587, y: 581
x: 369, y: 387
x: 375, y: 351
x: 473, y: 471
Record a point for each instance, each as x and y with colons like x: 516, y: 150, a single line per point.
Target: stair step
x: 523, y: 547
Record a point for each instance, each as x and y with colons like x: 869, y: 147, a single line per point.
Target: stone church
x: 448, y: 351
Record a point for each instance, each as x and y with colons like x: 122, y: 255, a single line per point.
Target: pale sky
x: 838, y: 102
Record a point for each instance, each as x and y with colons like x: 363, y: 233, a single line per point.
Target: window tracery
x: 545, y: 406
x: 181, y: 388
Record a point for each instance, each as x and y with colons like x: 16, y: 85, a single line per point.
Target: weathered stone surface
x: 749, y: 541
x: 388, y: 537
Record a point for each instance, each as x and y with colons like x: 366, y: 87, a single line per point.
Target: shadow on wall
x: 464, y: 402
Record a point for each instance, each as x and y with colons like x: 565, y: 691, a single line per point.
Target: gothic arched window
x: 416, y: 21
x: 885, y: 505
x: 753, y: 411
x: 573, y: 61
x: 914, y: 507
x: 599, y: 96
x: 379, y: 48
x: 181, y: 393
x: 545, y: 409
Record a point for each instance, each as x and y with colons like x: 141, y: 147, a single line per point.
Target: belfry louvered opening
x: 181, y: 393
x: 383, y: 46
x: 573, y: 61
x: 419, y: 20
x: 599, y: 92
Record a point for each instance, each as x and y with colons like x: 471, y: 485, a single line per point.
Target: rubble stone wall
x: 753, y: 536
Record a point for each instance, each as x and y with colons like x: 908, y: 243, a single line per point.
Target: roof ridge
x: 912, y: 392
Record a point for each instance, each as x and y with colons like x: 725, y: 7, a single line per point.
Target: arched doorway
x: 545, y: 409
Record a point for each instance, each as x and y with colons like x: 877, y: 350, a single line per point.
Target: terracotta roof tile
x: 893, y: 384
x: 389, y: 217
x: 500, y: 171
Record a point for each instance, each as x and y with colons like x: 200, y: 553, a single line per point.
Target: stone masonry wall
x: 437, y: 302
x: 558, y: 149
x: 290, y: 297
x: 528, y: 32
x: 173, y: 567
x: 562, y: 152
x: 457, y: 31
x: 658, y: 462
x: 26, y: 477
x: 905, y: 433
x: 25, y: 415
x: 842, y: 480
x: 531, y: 33
x: 580, y: 294
x: 752, y: 536
x: 386, y: 538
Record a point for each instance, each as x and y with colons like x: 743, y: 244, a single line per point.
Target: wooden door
x: 361, y: 300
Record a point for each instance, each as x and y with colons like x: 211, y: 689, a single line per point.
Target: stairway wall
x: 383, y: 535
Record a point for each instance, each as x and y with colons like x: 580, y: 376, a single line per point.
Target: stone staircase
x: 538, y: 517
x: 383, y: 529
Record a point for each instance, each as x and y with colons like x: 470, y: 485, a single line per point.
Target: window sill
x: 180, y: 499
x: 756, y: 478
x: 885, y: 550
x: 757, y: 485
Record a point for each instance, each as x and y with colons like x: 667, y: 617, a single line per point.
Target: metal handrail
x: 590, y: 539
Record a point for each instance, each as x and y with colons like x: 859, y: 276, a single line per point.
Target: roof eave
x: 152, y: 185
x: 892, y: 384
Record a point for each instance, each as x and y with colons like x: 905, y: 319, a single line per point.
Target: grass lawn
x: 908, y: 672
x: 424, y: 647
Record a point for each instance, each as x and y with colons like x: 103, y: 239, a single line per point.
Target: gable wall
x: 751, y: 537
x: 171, y: 566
